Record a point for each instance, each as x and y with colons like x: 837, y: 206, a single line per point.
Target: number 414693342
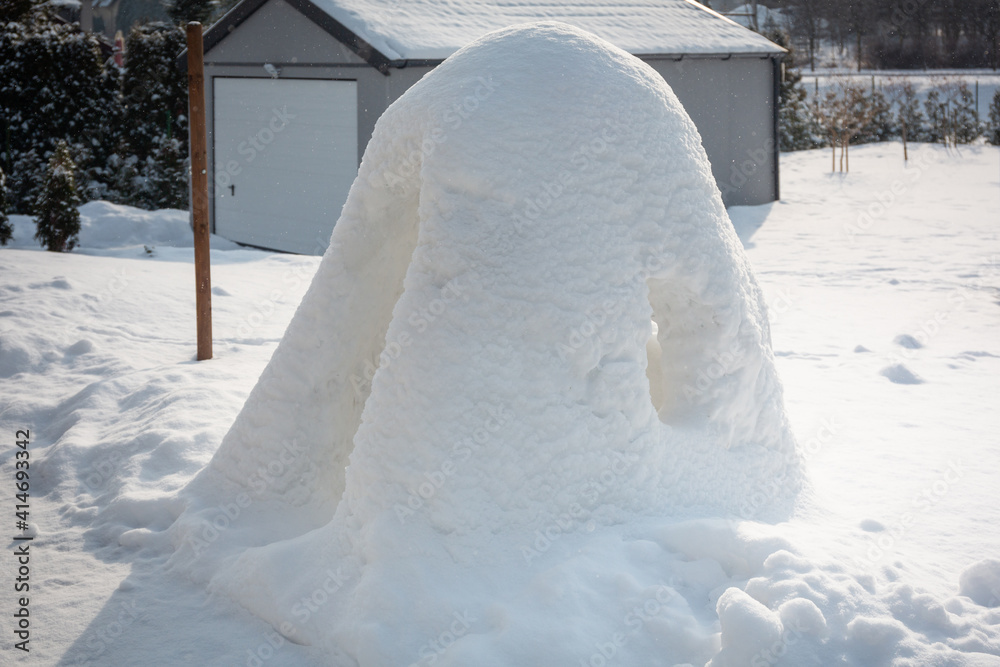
x: 21, y: 478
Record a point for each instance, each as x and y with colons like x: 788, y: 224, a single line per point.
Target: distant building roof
x: 401, y: 30
x: 434, y: 29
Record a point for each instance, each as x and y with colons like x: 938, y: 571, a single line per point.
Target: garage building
x: 294, y: 88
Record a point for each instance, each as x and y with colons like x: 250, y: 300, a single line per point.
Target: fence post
x: 977, y: 101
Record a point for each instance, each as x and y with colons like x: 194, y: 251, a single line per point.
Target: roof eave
x: 761, y: 55
x: 402, y: 63
x: 709, y: 10
x: 243, y: 10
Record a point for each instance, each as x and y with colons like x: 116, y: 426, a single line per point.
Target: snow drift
x: 470, y: 393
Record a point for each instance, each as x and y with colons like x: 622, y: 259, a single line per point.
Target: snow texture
x: 435, y: 29
x: 900, y: 374
x: 907, y: 341
x: 98, y: 352
x: 511, y: 234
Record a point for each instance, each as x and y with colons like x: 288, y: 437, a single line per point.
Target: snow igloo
x: 534, y: 331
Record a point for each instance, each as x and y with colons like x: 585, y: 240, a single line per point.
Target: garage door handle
x: 232, y: 190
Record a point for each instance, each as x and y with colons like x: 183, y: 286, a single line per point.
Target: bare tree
x: 906, y: 106
x: 843, y: 113
x: 949, y: 94
x: 827, y: 113
x: 859, y: 114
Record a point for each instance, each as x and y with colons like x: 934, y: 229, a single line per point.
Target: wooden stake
x: 199, y: 187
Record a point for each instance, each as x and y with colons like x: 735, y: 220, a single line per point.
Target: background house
x: 109, y: 16
x: 294, y: 88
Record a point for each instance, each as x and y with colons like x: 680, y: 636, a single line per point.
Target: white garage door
x: 286, y: 154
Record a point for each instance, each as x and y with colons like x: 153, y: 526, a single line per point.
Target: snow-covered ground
x: 884, y: 297
x: 887, y: 286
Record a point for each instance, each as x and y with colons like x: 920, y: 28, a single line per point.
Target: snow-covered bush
x: 158, y: 181
x: 908, y: 113
x: 149, y: 169
x: 154, y: 90
x: 53, y: 87
x: 936, y: 129
x: 15, y: 10
x: 121, y: 177
x: 797, y: 125
x: 951, y: 114
x: 166, y: 174
x: 905, y: 107
x: 56, y: 215
x: 125, y: 128
x: 6, y: 231
x: 965, y: 127
x: 993, y: 127
x: 879, y: 125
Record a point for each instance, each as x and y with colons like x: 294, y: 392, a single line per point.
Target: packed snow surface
x: 890, y: 557
x: 435, y: 29
x: 501, y: 272
x: 873, y: 568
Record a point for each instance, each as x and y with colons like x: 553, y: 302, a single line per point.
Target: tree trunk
x: 857, y: 32
x: 847, y: 155
x: 812, y: 50
x: 905, y: 158
x: 921, y: 46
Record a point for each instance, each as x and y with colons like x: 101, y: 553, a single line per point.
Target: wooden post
x: 977, y: 102
x: 199, y: 187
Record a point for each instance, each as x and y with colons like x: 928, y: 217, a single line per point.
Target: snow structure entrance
x: 285, y: 158
x: 461, y: 400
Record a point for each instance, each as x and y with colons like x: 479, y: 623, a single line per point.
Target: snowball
x: 921, y: 611
x: 876, y: 631
x: 786, y: 560
x: 748, y: 629
x: 801, y: 615
x: 981, y: 582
